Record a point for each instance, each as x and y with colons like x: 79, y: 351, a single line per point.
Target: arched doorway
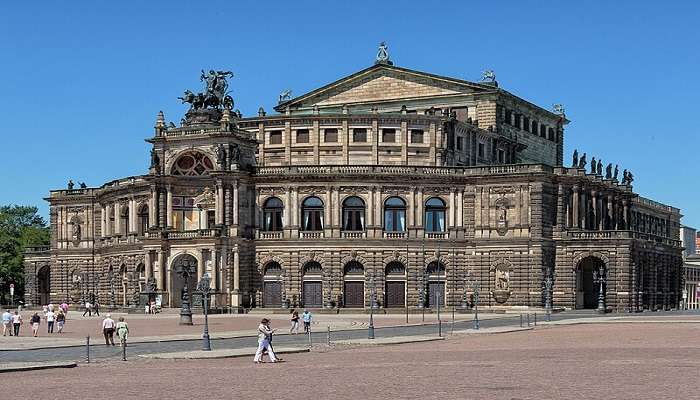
x: 312, y: 289
x: 395, y: 285
x: 272, y: 285
x: 586, y: 287
x: 436, y: 284
x: 354, y: 285
x: 44, y: 284
x: 189, y: 265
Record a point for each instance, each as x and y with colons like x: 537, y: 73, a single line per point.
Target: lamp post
x: 204, y: 288
x: 599, y: 278
x: 548, y: 284
x: 185, y: 269
x: 475, y: 286
x: 372, y: 294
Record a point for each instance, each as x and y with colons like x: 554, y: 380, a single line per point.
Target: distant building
x: 689, y: 240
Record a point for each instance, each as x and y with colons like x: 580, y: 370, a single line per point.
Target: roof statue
x: 488, y: 76
x: 559, y: 109
x: 383, y: 54
x: 215, y: 95
x: 285, y: 95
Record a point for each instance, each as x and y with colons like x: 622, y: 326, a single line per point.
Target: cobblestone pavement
x: 610, y: 361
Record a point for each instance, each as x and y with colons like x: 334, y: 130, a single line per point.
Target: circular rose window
x: 192, y: 164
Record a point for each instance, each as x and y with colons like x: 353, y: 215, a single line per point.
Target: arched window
x: 436, y: 269
x: 272, y: 214
x: 312, y: 214
x: 353, y: 214
x: 273, y: 268
x: 192, y: 164
x: 312, y: 268
x: 434, y: 215
x: 394, y: 215
x: 395, y: 268
x: 143, y: 220
x: 354, y: 268
x: 124, y: 220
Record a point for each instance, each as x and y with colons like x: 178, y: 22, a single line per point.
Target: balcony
x: 193, y: 234
x: 269, y: 234
x: 310, y: 234
x: 395, y: 235
x: 436, y: 235
x: 622, y: 234
x: 353, y: 234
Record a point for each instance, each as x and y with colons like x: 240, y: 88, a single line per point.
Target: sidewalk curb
x: 388, y: 341
x: 17, y: 367
x: 493, y: 331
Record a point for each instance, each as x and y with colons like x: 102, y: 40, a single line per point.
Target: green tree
x: 20, y: 227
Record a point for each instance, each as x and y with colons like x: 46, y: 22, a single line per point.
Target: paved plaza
x: 643, y: 357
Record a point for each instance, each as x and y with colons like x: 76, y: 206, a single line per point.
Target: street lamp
x: 599, y: 278
x: 372, y: 294
x: 548, y: 284
x: 204, y: 288
x: 475, y: 286
x: 185, y: 269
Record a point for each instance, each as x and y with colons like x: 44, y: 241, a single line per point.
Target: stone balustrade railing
x: 401, y: 170
x: 394, y: 235
x: 622, y: 234
x: 353, y: 234
x: 269, y: 234
x: 435, y: 235
x: 310, y: 234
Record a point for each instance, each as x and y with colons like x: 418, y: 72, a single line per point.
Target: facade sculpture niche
x: 502, y: 216
x: 501, y: 273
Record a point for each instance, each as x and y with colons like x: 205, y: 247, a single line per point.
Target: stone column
x: 103, y: 222
x: 460, y: 208
x: 294, y: 207
x: 576, y: 208
x: 611, y: 214
x: 152, y: 201
x: 370, y: 208
x: 132, y: 216
x: 169, y: 208
x: 147, y: 260
x: 451, y: 209
x: 411, y: 207
x: 594, y: 203
x: 561, y: 208
x: 419, y: 208
x: 235, y: 204
x: 235, y: 293
x: 117, y: 227
x: 219, y: 206
x: 160, y: 276
x: 626, y: 214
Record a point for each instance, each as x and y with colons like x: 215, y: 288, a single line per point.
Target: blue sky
x: 82, y: 82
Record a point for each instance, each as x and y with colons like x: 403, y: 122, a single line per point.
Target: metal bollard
x: 329, y: 336
x: 528, y: 320
x: 521, y: 320
x: 535, y: 319
x: 309, y: 335
x: 87, y: 349
x: 124, y: 350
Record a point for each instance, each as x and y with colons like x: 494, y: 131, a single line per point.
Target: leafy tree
x: 20, y: 227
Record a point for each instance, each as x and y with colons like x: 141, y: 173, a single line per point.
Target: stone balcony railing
x: 436, y: 235
x: 353, y: 234
x: 269, y: 234
x: 395, y: 235
x: 191, y: 234
x: 36, y: 249
x: 310, y: 234
x: 622, y: 234
x: 400, y: 170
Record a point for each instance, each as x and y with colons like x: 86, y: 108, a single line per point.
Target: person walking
x: 122, y: 331
x: 35, y: 321
x: 60, y: 320
x: 306, y: 317
x: 6, y: 323
x: 294, y: 329
x: 50, y: 318
x: 264, y: 335
x: 88, y: 309
x: 64, y: 308
x: 108, y: 326
x: 16, y: 322
x: 96, y: 307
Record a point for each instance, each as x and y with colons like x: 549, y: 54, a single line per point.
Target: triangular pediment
x: 381, y: 83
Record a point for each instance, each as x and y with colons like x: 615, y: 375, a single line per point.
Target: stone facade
x: 409, y: 183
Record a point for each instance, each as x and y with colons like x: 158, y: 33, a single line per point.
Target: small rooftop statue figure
x: 488, y: 76
x: 383, y: 54
x: 558, y: 109
x: 70, y: 184
x: 582, y: 161
x: 285, y: 95
x: 574, y: 163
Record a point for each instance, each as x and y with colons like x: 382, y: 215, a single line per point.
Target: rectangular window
x: 501, y: 156
x: 330, y: 135
x: 551, y: 135
x: 388, y: 135
x: 211, y: 218
x: 482, y: 148
x: 526, y: 124
x: 359, y: 135
x: 460, y: 143
x: 276, y: 137
x: 302, y: 136
x: 508, y: 117
x: 416, y: 136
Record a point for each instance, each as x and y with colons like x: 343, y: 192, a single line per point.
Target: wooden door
x: 313, y: 294
x: 436, y: 289
x: 272, y: 294
x: 354, y: 294
x: 395, y: 297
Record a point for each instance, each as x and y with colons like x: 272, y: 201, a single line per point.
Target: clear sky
x: 81, y: 82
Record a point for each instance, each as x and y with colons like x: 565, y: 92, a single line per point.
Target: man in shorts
x: 6, y: 323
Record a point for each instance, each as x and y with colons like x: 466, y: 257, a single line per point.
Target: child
x: 60, y: 320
